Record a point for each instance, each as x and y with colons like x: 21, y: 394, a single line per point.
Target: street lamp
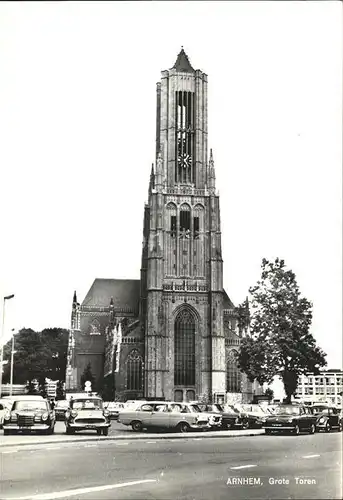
x: 7, y: 297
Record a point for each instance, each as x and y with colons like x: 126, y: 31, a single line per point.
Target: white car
x: 114, y: 409
x: 181, y: 417
x: 87, y: 412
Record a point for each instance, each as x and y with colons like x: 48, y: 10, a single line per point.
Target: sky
x: 77, y: 139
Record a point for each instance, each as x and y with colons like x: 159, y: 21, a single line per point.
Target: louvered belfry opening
x: 184, y: 349
x: 185, y: 167
x: 134, y: 371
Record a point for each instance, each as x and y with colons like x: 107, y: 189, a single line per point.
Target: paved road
x: 189, y: 468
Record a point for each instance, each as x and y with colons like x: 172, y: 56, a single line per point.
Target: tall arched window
x: 184, y: 349
x: 185, y: 240
x: 134, y: 371
x: 233, y: 374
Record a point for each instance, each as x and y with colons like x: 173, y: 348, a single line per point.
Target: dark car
x: 230, y: 419
x: 291, y: 418
x: 328, y: 417
x: 253, y: 415
x: 29, y: 415
x: 61, y: 407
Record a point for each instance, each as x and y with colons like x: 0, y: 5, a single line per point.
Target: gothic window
x: 184, y: 349
x: 95, y: 328
x: 184, y: 171
x: 171, y: 234
x: 198, y: 232
x: 134, y: 371
x: 173, y: 226
x: 185, y: 220
x: 233, y: 374
x: 196, y: 227
x: 184, y: 247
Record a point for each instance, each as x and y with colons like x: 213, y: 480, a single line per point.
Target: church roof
x: 182, y: 63
x: 125, y: 293
x: 227, y: 303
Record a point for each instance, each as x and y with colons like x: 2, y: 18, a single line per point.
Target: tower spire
x: 182, y: 63
x: 212, y: 174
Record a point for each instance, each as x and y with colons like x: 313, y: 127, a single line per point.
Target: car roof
x: 86, y: 398
x: 27, y: 398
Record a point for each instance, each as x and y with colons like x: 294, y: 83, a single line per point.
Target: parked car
x: 253, y: 415
x: 132, y: 404
x: 4, y: 406
x: 291, y: 418
x: 114, y: 408
x: 61, y: 407
x: 85, y: 413
x: 182, y: 417
x: 328, y: 417
x: 26, y: 414
x: 230, y: 418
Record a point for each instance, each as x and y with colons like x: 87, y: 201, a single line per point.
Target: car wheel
x: 246, y: 425
x: 69, y: 430
x: 328, y: 427
x: 98, y: 431
x: 137, y: 426
x: 312, y: 429
x: 6, y: 432
x: 183, y: 427
x: 267, y: 431
x: 296, y: 431
x: 227, y: 425
x: 105, y: 432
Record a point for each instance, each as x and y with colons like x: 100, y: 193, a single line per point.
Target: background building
x: 173, y: 333
x: 327, y: 386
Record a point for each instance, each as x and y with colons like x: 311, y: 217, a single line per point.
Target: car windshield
x: 87, y: 404
x: 30, y: 405
x: 288, y: 410
x: 252, y: 409
x: 215, y: 408
x: 320, y: 409
x: 230, y: 408
x: 61, y: 404
x: 194, y: 408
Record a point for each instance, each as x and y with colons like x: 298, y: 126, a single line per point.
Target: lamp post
x: 12, y: 355
x: 7, y: 297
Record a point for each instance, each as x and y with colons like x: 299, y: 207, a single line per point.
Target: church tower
x: 182, y: 295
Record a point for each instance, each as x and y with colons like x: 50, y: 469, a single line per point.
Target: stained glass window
x: 184, y: 349
x: 233, y: 374
x: 134, y: 371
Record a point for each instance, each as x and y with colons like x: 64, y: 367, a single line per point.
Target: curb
x: 160, y: 437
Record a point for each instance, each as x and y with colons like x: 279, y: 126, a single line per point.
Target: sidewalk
x: 27, y: 440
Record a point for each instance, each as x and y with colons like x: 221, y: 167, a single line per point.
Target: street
x: 259, y: 467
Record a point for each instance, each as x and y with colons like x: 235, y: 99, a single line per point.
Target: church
x: 173, y: 333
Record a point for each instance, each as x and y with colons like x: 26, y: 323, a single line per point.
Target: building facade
x: 327, y: 386
x: 173, y: 333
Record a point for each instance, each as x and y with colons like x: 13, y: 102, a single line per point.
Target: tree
x: 280, y: 343
x: 87, y: 376
x: 38, y: 355
x: 269, y: 393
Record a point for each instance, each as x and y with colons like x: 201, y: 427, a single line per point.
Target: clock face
x: 185, y: 160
